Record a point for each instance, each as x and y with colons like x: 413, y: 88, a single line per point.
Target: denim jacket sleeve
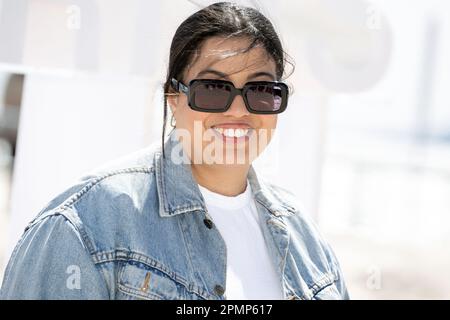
x: 51, y: 262
x: 340, y: 282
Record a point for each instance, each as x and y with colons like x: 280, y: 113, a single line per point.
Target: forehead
x: 231, y: 56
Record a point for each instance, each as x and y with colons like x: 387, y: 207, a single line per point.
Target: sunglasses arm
x: 179, y: 86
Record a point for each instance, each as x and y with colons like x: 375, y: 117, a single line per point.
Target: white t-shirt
x: 250, y: 272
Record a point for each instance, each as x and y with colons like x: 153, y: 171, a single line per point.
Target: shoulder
x: 295, y: 213
x: 108, y: 196
x: 297, y: 218
x: 43, y: 261
x: 139, y: 160
x: 288, y: 208
x: 113, y: 176
x: 280, y: 199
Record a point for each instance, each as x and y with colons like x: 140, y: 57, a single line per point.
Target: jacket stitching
x: 72, y: 200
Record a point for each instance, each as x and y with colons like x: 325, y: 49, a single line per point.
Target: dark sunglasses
x: 261, y: 97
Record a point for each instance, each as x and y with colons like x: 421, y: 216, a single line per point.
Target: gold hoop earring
x: 172, y: 123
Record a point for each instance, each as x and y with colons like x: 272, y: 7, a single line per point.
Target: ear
x: 172, y: 101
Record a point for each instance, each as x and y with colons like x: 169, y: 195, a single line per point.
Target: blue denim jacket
x: 139, y: 229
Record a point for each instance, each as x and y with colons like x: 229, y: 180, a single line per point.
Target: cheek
x: 268, y: 121
x: 267, y: 127
x: 187, y: 118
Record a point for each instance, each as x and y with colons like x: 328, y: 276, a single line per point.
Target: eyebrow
x: 262, y: 74
x: 225, y: 76
x: 212, y: 71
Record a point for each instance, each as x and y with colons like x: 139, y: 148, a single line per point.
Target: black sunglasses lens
x: 266, y: 97
x: 211, y: 96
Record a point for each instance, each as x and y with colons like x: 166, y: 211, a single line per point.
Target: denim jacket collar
x: 178, y: 191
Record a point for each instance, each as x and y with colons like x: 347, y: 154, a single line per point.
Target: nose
x: 237, y: 108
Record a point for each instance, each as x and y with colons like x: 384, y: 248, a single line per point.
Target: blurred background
x: 364, y: 144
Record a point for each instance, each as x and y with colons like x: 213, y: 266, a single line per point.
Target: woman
x: 189, y: 219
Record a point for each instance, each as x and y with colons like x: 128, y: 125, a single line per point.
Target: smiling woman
x: 169, y: 223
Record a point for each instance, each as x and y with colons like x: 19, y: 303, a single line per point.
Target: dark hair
x: 227, y: 20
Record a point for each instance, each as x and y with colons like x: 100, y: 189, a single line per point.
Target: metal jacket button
x: 208, y: 223
x: 219, y: 290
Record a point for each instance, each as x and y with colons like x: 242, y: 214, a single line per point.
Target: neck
x: 225, y: 180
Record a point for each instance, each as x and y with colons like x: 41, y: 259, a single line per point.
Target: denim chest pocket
x: 139, y: 281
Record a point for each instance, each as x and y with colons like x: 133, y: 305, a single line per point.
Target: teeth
x: 240, y: 132
x: 232, y: 133
x: 229, y: 133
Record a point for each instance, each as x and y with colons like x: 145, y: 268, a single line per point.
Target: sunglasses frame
x: 190, y: 89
